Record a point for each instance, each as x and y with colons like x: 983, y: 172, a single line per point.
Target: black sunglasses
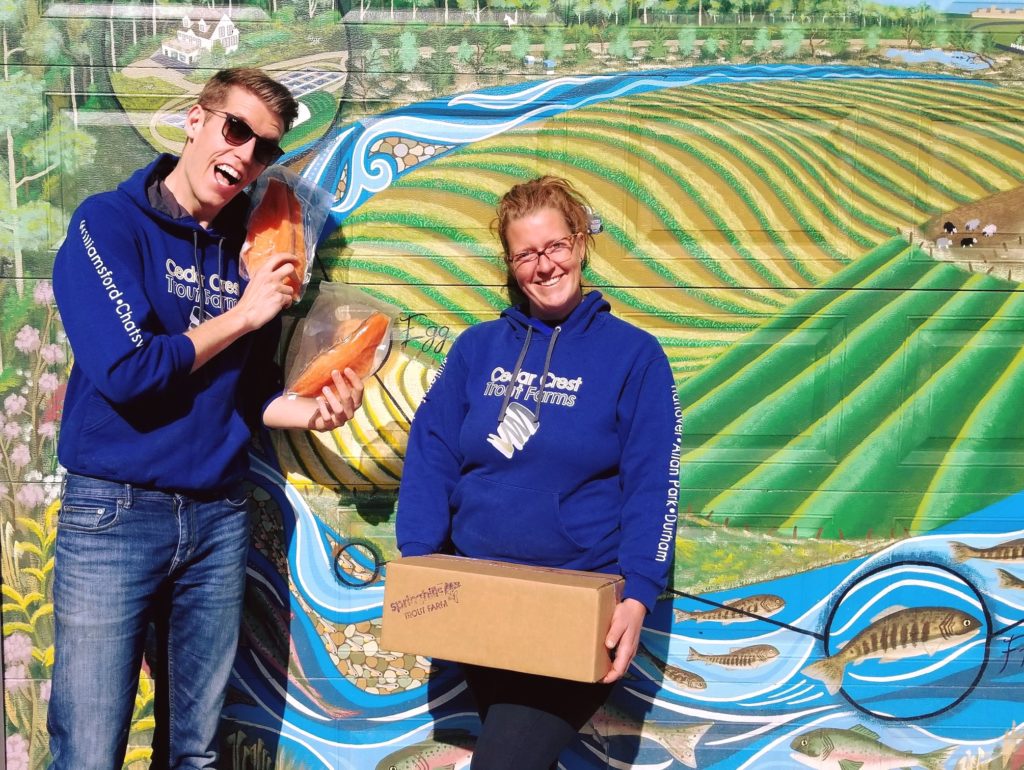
x: 237, y: 132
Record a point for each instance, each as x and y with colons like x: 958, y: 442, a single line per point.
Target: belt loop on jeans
x: 127, y: 495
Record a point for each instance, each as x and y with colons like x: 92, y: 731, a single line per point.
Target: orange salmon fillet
x: 355, y: 350
x: 276, y: 228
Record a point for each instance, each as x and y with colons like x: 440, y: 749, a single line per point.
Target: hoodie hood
x: 145, y: 189
x: 228, y: 225
x: 583, y: 317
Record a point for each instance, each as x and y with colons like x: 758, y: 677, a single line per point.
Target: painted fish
x: 1009, y: 580
x: 859, y: 749
x: 738, y: 657
x: 443, y: 752
x: 686, y: 679
x: 680, y: 742
x: 736, y: 610
x: 1011, y: 550
x: 896, y: 634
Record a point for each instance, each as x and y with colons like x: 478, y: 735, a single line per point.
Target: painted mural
x: 818, y: 209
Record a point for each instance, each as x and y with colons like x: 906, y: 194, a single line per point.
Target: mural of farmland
x: 817, y: 211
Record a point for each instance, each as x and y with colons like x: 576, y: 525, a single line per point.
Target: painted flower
x: 16, y: 678
x: 12, y: 430
x: 17, y: 649
x: 48, y: 429
x: 52, y: 354
x: 44, y: 691
x: 21, y: 456
x: 30, y: 495
x: 43, y: 294
x: 48, y: 382
x: 17, y: 752
x: 27, y: 339
x: 51, y: 486
x: 15, y: 404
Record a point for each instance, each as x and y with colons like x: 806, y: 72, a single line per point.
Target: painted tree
x: 838, y: 41
x: 581, y: 8
x: 687, y: 39
x: 470, y: 6
x: 520, y: 46
x: 32, y: 153
x: 762, y: 41
x: 621, y: 46
x: 617, y: 7
x: 872, y: 39
x: 710, y: 48
x: 79, y: 40
x: 579, y: 37
x: 658, y: 49
x: 11, y: 12
x: 981, y: 43
x: 539, y: 9
x: 554, y: 43
x: 714, y: 9
x: 792, y: 40
x: 875, y: 10
x: 408, y: 51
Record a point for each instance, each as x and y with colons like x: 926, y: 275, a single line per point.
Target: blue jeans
x: 122, y: 552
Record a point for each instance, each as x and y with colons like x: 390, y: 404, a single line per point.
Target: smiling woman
x: 543, y: 227
x: 487, y: 474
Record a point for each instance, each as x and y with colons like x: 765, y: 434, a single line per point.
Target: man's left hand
x: 338, y: 402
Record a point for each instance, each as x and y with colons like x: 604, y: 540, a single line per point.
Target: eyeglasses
x: 557, y: 251
x: 237, y: 132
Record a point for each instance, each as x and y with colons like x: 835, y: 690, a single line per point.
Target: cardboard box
x: 531, y: 619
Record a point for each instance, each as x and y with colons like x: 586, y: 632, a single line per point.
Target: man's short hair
x: 277, y: 98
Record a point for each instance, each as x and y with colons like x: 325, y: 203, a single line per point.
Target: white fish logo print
x: 514, y: 431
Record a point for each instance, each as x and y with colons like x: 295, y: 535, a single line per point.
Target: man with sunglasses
x: 173, y: 367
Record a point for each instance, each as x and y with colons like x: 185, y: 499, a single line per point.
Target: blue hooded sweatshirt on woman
x: 133, y: 275
x: 557, y: 447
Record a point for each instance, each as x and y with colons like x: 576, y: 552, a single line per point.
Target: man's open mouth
x: 228, y: 174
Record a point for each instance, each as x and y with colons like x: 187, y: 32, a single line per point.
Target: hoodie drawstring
x: 515, y: 375
x: 197, y: 260
x: 220, y: 272
x: 518, y: 367
x: 201, y: 293
x: 544, y: 374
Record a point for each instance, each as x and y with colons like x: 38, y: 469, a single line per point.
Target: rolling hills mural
x: 820, y: 223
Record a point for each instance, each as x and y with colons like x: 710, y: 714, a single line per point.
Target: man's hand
x: 269, y: 291
x: 624, y: 636
x: 332, y: 409
x: 267, y: 294
x: 338, y: 404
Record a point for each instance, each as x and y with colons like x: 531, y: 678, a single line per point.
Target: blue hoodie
x: 127, y: 282
x: 576, y: 466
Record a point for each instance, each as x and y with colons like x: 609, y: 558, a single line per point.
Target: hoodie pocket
x: 500, y: 521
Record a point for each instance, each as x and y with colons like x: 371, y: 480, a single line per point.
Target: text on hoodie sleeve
x: 106, y: 313
x: 650, y: 420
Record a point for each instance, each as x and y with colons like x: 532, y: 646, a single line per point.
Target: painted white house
x: 194, y: 37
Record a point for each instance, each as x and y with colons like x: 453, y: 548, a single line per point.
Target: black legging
x: 528, y: 720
